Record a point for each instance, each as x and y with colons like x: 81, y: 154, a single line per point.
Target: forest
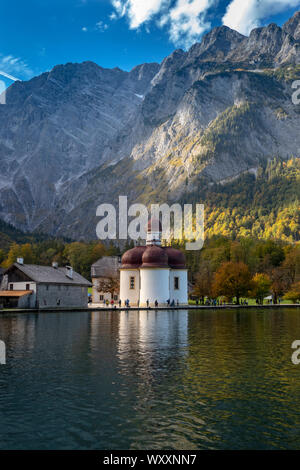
x: 226, y: 267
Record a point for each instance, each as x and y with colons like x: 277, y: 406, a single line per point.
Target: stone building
x: 106, y: 272
x: 33, y: 286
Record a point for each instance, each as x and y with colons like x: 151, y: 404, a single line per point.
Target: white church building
x: 153, y: 272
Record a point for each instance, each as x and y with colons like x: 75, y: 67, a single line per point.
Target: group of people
x: 172, y: 303
x: 106, y: 303
x: 218, y: 302
x: 269, y: 301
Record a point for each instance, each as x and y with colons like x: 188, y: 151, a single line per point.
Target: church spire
x: 154, y: 232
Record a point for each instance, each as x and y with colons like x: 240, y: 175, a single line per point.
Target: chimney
x: 69, y: 272
x: 20, y: 260
x: 55, y: 265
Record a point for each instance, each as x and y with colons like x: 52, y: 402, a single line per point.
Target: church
x: 153, y: 273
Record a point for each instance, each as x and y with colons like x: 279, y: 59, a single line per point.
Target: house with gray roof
x: 103, y: 272
x: 34, y: 286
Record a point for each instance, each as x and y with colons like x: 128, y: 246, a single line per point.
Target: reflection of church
x: 153, y: 273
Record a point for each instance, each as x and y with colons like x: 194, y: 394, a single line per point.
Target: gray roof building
x: 107, y: 267
x: 34, y: 286
x: 51, y: 274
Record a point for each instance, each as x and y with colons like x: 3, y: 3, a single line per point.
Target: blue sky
x: 38, y: 34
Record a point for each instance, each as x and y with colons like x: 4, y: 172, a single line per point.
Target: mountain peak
x: 217, y: 43
x: 221, y: 33
x: 292, y: 26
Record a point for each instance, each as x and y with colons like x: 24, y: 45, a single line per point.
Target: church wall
x: 125, y: 292
x: 180, y: 294
x: 154, y: 285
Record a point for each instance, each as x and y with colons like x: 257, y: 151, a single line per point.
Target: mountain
x: 81, y: 135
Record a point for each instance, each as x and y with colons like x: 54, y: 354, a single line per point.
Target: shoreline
x: 155, y: 309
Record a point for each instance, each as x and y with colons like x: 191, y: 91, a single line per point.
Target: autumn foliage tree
x: 204, y: 281
x: 261, y: 287
x: 280, y: 283
x: 109, y: 285
x: 19, y: 251
x: 294, y: 293
x: 232, y: 280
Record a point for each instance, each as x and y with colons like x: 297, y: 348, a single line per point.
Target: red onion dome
x: 155, y: 257
x: 176, y: 258
x: 132, y: 259
x: 154, y: 225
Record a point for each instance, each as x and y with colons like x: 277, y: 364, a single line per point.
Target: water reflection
x: 171, y: 379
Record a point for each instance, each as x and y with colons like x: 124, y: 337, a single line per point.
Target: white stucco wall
x: 27, y: 301
x: 22, y: 285
x: 182, y: 293
x: 125, y: 292
x: 154, y: 285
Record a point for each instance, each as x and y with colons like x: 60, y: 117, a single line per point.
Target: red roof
x: 176, y: 258
x: 132, y: 259
x: 153, y: 256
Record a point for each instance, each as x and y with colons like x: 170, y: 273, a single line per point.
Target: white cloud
x: 243, y: 16
x: 185, y: 19
x: 14, y: 66
x: 138, y: 11
x: 113, y: 16
x: 101, y: 26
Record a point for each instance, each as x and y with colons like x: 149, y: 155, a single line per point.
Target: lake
x: 150, y: 380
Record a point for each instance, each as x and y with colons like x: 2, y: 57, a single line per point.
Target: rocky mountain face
x: 292, y: 27
x: 82, y: 135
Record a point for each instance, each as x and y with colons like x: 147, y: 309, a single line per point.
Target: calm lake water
x: 146, y: 380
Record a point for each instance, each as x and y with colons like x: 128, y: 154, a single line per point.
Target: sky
x: 36, y: 35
